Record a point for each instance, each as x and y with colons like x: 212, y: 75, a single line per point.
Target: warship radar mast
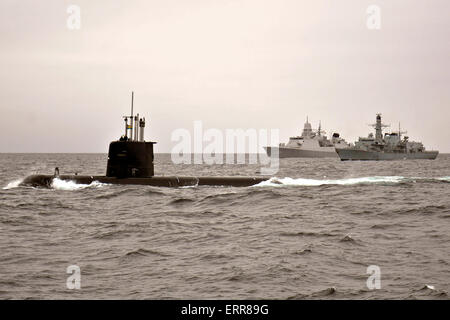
x: 378, y: 129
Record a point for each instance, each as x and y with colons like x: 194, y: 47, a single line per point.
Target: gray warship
x: 311, y: 144
x: 389, y: 147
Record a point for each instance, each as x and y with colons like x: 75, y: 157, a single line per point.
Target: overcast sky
x: 230, y: 63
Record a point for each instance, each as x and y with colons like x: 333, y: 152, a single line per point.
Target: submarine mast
x: 131, y: 116
x: 129, y: 127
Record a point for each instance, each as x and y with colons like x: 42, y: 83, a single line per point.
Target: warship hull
x: 284, y: 152
x: 157, y: 181
x: 353, y: 154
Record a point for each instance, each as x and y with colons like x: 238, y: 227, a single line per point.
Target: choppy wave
x: 143, y: 252
x: 287, y: 181
x: 302, y: 242
x: 326, y: 292
x: 70, y: 185
x: 429, y: 290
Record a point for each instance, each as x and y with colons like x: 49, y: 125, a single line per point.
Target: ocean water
x: 309, y: 233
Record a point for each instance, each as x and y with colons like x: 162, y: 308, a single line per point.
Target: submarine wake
x: 69, y: 185
x: 57, y: 184
x: 287, y: 181
x: 13, y: 184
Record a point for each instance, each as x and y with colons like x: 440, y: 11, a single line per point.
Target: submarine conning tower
x: 131, y: 156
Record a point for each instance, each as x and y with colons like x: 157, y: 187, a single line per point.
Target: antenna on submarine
x: 125, y: 118
x: 131, y: 117
x: 135, y: 127
x: 132, y: 98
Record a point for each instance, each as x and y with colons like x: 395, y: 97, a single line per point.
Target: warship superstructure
x: 311, y: 144
x: 391, y: 146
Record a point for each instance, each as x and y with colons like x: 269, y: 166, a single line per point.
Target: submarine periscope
x: 130, y: 162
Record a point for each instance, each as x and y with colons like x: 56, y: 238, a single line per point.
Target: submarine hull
x: 157, y: 181
x: 285, y: 152
x: 355, y: 154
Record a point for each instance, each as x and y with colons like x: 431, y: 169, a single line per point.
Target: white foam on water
x: 444, y: 179
x: 13, y: 184
x: 70, y: 185
x: 190, y: 187
x: 276, y: 182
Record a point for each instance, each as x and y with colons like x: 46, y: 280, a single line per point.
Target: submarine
x: 130, y: 162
